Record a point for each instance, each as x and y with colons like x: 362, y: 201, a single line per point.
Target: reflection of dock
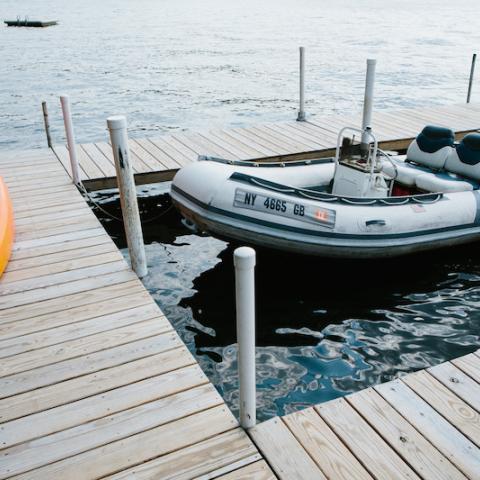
x: 29, y: 23
x: 424, y: 425
x: 94, y: 381
x: 157, y: 159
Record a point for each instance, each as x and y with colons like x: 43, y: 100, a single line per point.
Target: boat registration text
x: 284, y: 208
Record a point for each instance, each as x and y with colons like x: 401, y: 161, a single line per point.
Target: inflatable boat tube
x: 287, y: 207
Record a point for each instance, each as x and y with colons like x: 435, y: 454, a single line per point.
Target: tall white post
x: 472, y: 72
x: 244, y: 261
x: 128, y: 194
x: 301, y: 111
x: 368, y: 101
x: 72, y: 150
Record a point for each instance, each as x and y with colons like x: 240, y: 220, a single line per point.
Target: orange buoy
x: 6, y: 226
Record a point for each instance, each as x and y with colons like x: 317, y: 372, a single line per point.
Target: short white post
x: 301, y: 111
x: 72, y: 149
x: 128, y: 195
x: 47, y: 124
x: 368, y: 101
x: 244, y: 261
x: 472, y: 72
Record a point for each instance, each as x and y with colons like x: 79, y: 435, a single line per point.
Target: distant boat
x: 29, y: 23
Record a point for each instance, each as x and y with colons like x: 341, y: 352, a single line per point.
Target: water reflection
x: 324, y: 327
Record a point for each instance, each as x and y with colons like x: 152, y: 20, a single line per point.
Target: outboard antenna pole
x: 368, y: 102
x: 244, y: 261
x: 472, y: 72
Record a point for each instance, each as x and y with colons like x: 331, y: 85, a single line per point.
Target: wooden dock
x: 425, y: 425
x: 157, y: 159
x: 94, y: 381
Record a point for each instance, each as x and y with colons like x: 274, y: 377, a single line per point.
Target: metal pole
x: 472, y: 72
x: 128, y: 194
x: 301, y: 112
x: 47, y: 124
x: 244, y: 261
x: 72, y: 150
x: 368, y: 101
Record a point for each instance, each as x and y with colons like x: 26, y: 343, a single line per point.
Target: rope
x: 113, y: 217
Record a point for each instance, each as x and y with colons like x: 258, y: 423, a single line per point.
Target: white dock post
x: 368, y: 101
x: 472, y: 72
x: 244, y: 261
x: 72, y: 148
x: 301, y: 111
x: 47, y: 124
x: 128, y: 195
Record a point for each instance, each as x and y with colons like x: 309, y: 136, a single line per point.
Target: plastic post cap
x: 117, y: 122
x: 244, y: 257
x: 371, y: 61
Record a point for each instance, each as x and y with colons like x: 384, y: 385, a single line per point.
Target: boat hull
x: 218, y: 205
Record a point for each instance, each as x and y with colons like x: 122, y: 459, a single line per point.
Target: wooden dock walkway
x: 94, y: 381
x: 157, y: 159
x: 425, y: 425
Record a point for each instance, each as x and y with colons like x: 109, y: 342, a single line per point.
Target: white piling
x: 368, y: 100
x: 301, y: 111
x: 128, y: 195
x: 244, y: 261
x: 472, y: 72
x: 72, y: 149
x: 47, y: 124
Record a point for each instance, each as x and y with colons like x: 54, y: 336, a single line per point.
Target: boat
x: 29, y: 23
x: 361, y: 203
x: 6, y: 226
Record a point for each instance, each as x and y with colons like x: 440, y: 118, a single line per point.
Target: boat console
x: 358, y: 171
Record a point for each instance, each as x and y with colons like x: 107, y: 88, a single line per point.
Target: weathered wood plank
x: 145, y: 328
x: 364, y: 442
x: 445, y: 437
x: 130, y: 372
x: 285, y: 454
x: 458, y: 382
x: 255, y: 471
x: 62, y: 371
x: 420, y: 454
x: 136, y: 449
x: 203, y: 461
x: 456, y: 411
x: 325, y: 448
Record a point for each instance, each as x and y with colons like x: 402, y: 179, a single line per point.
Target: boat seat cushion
x: 465, y: 159
x: 406, y: 172
x: 444, y: 182
x: 432, y: 147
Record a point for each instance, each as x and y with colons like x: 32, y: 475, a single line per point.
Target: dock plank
x: 438, y: 431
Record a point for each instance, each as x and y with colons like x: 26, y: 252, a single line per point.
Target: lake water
x: 325, y: 328
x: 198, y: 64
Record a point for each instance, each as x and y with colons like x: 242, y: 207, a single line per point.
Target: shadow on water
x: 324, y: 327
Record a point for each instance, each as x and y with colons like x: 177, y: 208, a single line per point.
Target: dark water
x: 324, y: 327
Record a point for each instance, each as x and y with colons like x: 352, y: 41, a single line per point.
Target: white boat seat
x: 432, y: 147
x: 407, y: 173
x: 465, y: 159
x: 445, y: 183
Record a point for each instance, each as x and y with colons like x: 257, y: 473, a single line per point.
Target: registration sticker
x: 284, y: 208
